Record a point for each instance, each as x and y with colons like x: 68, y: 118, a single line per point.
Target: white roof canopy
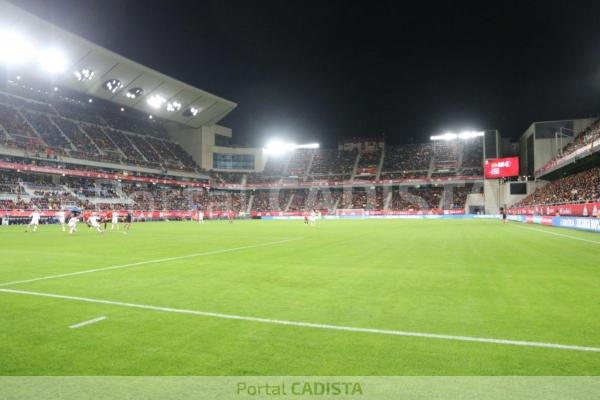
x: 79, y: 54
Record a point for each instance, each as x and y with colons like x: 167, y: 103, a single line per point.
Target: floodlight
x: 308, y: 146
x: 462, y: 135
x: 190, y: 112
x: 156, y: 101
x: 85, y: 74
x: 445, y: 136
x: 15, y: 49
x: 112, y: 85
x: 469, y: 134
x: 134, y: 93
x: 173, y: 106
x: 278, y: 147
x: 52, y: 60
x: 150, y: 117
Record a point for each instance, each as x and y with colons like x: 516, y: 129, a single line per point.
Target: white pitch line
x: 559, y: 234
x: 310, y: 324
x: 89, y: 322
x: 156, y: 261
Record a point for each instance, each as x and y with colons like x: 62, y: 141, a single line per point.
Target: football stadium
x: 137, y: 240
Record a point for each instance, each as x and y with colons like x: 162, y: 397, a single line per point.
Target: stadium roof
x: 162, y: 96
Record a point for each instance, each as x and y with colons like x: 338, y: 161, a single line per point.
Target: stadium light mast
x: 277, y: 147
x: 461, y: 135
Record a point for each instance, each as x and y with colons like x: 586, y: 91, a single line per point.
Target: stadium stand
x: 588, y: 137
x: 299, y: 162
x: 577, y: 188
x: 49, y: 128
x: 18, y: 190
x: 369, y: 159
x: 82, y: 132
x: 333, y: 162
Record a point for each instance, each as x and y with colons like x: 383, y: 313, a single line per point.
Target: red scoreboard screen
x: 501, y: 167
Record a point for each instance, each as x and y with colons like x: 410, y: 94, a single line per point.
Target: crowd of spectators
x: 21, y: 103
x: 356, y: 199
x: 410, y: 157
x: 14, y: 124
x: 54, y: 192
x: 101, y: 139
x: 81, y: 131
x: 78, y: 112
x: 9, y: 183
x: 48, y: 131
x: 333, y: 162
x: 410, y: 161
x: 473, y: 153
x: 417, y: 198
x: 445, y: 155
x: 276, y: 165
x: 120, y: 139
x: 369, y: 158
x: 583, y: 138
x: 256, y: 178
x: 228, y: 177
x: 577, y: 188
x: 403, y: 175
x: 455, y: 197
x: 299, y: 161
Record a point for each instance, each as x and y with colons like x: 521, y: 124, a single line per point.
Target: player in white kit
x: 35, y: 221
x: 200, y: 217
x: 94, y: 223
x: 61, y: 219
x: 313, y: 218
x: 114, y: 220
x: 73, y: 224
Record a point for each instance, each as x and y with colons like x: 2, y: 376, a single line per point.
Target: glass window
x: 233, y: 161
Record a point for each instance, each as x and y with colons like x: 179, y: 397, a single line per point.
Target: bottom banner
x: 297, y: 387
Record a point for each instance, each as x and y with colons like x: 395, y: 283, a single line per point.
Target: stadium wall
x: 497, y: 194
x: 387, y: 216
x: 255, y: 152
x: 589, y: 209
x: 588, y: 224
x: 546, y: 148
x: 201, y: 145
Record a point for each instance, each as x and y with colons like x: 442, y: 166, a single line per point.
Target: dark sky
x: 323, y: 70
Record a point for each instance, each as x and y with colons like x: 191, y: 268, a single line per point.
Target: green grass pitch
x: 470, y: 278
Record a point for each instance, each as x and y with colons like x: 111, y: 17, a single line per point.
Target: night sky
x: 325, y: 70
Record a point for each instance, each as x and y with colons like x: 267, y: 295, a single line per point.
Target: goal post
x: 350, y: 212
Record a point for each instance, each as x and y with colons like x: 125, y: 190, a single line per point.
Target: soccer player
x: 94, y: 223
x: 313, y: 218
x: 114, y: 220
x: 230, y: 216
x: 200, y: 216
x: 128, y: 219
x: 105, y: 218
x: 503, y: 212
x: 61, y: 219
x: 73, y: 224
x: 35, y: 220
x: 86, y: 218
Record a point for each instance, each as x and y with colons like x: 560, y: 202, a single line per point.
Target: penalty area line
x: 147, y: 262
x: 507, y: 342
x: 88, y: 322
